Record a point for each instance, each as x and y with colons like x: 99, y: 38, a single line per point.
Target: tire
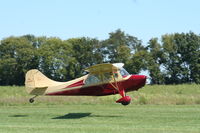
x: 31, y: 100
x: 125, y: 103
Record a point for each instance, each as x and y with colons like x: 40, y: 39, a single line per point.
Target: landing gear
x: 124, y: 100
x: 31, y: 100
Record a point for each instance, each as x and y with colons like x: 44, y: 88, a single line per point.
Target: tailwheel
x: 31, y: 100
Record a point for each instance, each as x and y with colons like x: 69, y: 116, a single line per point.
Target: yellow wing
x: 101, y: 68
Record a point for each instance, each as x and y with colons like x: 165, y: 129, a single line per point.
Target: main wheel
x: 126, y: 100
x: 125, y: 103
x: 31, y: 100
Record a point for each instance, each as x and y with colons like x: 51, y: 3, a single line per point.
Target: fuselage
x: 128, y: 83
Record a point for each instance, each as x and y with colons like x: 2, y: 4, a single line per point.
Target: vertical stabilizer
x: 36, y: 83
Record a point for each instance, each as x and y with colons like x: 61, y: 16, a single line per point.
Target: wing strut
x: 125, y: 100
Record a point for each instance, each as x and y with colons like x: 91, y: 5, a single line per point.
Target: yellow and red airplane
x: 103, y: 79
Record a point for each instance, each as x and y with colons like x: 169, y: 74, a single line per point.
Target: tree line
x: 171, y: 59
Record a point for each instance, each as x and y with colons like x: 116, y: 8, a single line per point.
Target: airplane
x: 102, y: 79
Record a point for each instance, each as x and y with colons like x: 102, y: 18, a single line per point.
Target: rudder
x: 36, y: 83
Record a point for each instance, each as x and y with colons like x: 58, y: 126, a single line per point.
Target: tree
x: 182, y: 57
x: 155, y: 59
x: 121, y: 47
x: 86, y: 52
x: 55, y: 57
x: 189, y: 52
x: 16, y: 57
x: 115, y: 48
x: 172, y: 60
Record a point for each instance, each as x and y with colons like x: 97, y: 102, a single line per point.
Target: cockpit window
x: 107, y: 76
x: 99, y: 78
x: 93, y: 79
x: 123, y: 72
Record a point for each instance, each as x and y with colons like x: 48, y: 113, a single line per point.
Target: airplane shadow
x: 81, y: 115
x: 18, y: 116
x: 73, y: 116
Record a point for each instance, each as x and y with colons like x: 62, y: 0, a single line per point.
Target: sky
x: 66, y: 19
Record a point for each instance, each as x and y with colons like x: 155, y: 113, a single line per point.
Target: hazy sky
x: 96, y: 18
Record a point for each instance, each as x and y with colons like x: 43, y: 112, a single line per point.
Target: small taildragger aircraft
x: 103, y: 79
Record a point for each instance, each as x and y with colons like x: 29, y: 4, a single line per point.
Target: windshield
x: 123, y: 72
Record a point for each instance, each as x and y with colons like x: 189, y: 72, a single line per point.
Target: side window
x: 92, y: 79
x: 107, y: 77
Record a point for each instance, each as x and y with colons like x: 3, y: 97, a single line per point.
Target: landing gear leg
x: 125, y: 100
x: 31, y: 100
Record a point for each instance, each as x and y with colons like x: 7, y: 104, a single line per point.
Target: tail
x: 37, y: 83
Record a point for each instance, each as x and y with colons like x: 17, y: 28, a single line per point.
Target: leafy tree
x: 16, y: 57
x: 115, y: 48
x: 137, y: 62
x: 182, y: 57
x: 155, y: 59
x: 86, y: 52
x: 172, y: 60
x: 188, y: 50
x: 55, y: 57
x: 121, y: 47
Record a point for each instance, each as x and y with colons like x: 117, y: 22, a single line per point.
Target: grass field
x: 100, y: 119
x: 156, y: 94
x: 155, y: 109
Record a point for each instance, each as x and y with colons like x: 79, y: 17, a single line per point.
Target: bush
x: 142, y: 100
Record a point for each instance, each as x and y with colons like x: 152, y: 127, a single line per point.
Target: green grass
x: 100, y: 119
x: 156, y: 94
x: 155, y: 109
